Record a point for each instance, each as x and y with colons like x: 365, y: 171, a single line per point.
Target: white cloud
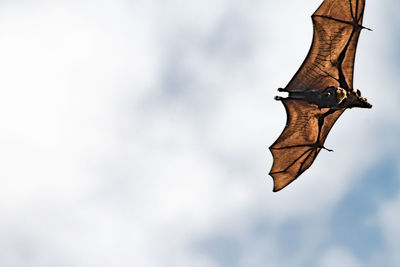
x: 339, y: 257
x: 102, y: 162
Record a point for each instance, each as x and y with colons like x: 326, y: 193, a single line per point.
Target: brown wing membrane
x: 300, y: 142
x: 329, y: 64
x: 330, y: 61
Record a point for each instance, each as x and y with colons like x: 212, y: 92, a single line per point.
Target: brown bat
x: 320, y: 91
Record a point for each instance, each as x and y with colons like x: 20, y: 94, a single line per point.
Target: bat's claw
x: 362, y: 27
x: 279, y: 98
x: 282, y: 90
x: 330, y: 150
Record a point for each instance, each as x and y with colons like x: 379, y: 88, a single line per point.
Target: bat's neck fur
x: 330, y: 97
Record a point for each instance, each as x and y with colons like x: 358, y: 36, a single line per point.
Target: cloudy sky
x: 136, y: 133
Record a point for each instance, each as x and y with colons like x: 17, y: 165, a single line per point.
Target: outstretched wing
x: 330, y: 61
x: 297, y: 147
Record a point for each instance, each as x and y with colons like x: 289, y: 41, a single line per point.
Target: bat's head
x: 356, y: 100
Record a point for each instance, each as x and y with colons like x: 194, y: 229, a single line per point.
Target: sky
x: 136, y: 133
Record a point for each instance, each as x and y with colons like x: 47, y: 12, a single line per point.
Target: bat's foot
x: 278, y: 98
x: 282, y: 90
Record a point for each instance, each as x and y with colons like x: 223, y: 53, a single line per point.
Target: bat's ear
x: 358, y: 92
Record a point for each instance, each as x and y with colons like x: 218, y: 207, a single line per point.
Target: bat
x: 320, y: 91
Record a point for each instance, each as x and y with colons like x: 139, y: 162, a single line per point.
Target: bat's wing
x: 330, y: 61
x: 300, y: 142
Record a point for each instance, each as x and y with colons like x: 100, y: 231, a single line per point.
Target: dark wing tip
x: 278, y: 184
x: 276, y: 189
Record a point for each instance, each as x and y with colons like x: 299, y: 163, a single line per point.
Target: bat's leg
x: 291, y: 97
x: 294, y: 90
x: 282, y: 90
x: 279, y: 97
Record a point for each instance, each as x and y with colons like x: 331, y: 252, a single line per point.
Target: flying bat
x: 320, y: 91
